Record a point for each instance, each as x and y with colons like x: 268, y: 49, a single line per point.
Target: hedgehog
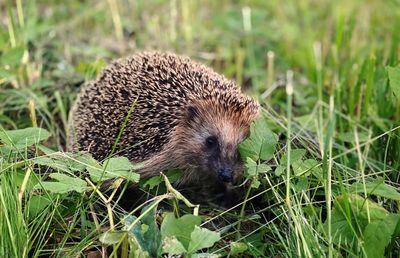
x: 185, y: 116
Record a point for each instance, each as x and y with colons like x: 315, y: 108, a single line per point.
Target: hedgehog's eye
x: 211, y: 142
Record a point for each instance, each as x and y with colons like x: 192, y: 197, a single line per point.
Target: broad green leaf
x: 307, y: 122
x: 5, y: 74
x: 22, y: 138
x: 302, y: 184
x: 204, y: 255
x: 153, y: 182
x: 95, y: 169
x: 238, y: 248
x: 145, y: 232
x: 255, y: 183
x: 306, y: 167
x: 202, y: 238
x: 114, y: 167
x: 171, y: 245
x: 19, y: 176
x: 263, y: 168
x: 394, y: 80
x: 59, y: 164
x: 261, y: 143
x: 251, y: 167
x: 112, y: 237
x: 377, y: 235
x: 64, y: 184
x: 173, y: 176
x: 295, y: 155
x: 180, y: 228
x: 12, y: 57
x: 379, y: 188
x: 46, y: 150
x: 280, y: 170
x: 349, y: 136
x: 37, y: 203
x: 118, y: 164
x: 349, y: 217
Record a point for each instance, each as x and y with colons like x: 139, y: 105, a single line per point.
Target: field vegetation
x: 322, y: 163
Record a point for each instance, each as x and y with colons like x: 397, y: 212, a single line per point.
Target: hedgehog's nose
x: 225, y: 175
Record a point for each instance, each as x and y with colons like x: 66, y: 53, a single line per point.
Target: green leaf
x: 202, y: 238
x: 174, y: 175
x: 306, y: 167
x: 394, y: 80
x: 22, y: 138
x: 19, y: 175
x: 64, y: 184
x: 5, y: 74
x: 238, y: 248
x: 349, y: 217
x: 379, y: 188
x: 280, y: 170
x: 180, y: 228
x: 62, y: 163
x: 171, y: 245
x: 349, y: 137
x: 37, y: 203
x: 261, y: 143
x: 114, y: 167
x: 145, y: 232
x: 377, y: 235
x: 263, y: 168
x: 251, y: 167
x: 307, y: 122
x: 255, y: 183
x: 302, y: 184
x: 295, y: 155
x: 204, y: 255
x: 122, y: 167
x: 153, y: 182
x: 95, y: 169
x: 112, y: 237
x: 12, y: 57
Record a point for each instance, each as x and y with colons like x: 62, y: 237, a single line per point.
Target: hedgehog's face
x: 220, y: 156
x: 212, y: 139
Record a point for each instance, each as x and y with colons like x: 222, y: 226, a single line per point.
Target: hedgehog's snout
x: 226, y: 174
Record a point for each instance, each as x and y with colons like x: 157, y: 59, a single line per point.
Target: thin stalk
x: 362, y: 170
x: 292, y: 216
x: 329, y: 180
x: 241, y: 214
x: 289, y: 94
x: 24, y: 185
x: 32, y: 112
x: 270, y: 70
x: 318, y: 65
x: 20, y: 14
x: 10, y: 26
x: 116, y: 17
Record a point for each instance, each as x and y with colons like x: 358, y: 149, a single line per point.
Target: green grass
x: 331, y: 186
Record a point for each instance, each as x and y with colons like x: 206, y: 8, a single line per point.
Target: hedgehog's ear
x: 191, y: 113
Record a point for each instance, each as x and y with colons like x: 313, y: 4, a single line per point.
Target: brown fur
x: 179, y: 103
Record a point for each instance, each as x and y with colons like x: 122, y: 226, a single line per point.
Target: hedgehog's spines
x: 167, y: 87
